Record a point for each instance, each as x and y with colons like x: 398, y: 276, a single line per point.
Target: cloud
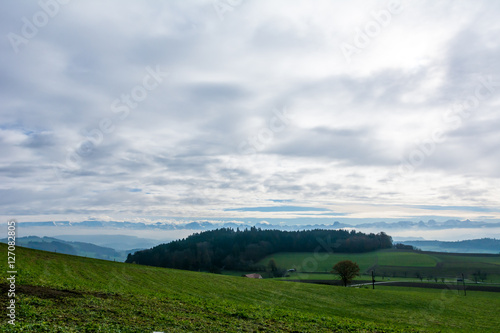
x: 460, y: 208
x: 177, y: 151
x: 349, y: 145
x: 278, y: 209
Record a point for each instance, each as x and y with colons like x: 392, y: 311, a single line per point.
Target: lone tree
x: 346, y: 270
x: 272, y: 265
x: 273, y: 268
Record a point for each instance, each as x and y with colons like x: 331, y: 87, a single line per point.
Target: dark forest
x: 231, y: 249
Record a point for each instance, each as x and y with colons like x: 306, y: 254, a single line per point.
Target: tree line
x: 230, y: 249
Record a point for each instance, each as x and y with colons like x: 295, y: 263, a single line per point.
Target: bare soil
x: 50, y: 293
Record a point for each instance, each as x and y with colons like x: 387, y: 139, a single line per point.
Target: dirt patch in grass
x: 41, y: 292
x: 50, y: 293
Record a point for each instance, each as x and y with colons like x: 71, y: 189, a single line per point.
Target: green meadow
x: 393, y: 263
x: 63, y: 293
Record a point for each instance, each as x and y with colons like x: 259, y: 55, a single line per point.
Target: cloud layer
x: 143, y: 111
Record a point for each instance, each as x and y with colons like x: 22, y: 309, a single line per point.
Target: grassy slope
x: 77, y: 294
x: 308, y: 262
x: 82, y: 249
x: 390, y: 261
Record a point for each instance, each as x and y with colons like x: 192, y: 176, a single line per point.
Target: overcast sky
x: 155, y: 110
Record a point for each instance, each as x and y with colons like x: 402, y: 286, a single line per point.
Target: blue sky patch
x: 279, y: 209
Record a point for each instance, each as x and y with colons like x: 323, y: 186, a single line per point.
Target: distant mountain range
x: 117, y: 242
x: 209, y: 225
x: 484, y: 245
x: 75, y: 248
x: 429, y: 225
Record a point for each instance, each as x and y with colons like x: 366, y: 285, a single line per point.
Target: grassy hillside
x: 484, y: 245
x: 70, y: 247
x: 396, y: 263
x: 324, y: 262
x: 62, y: 293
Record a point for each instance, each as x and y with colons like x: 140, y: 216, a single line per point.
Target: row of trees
x: 401, y: 246
x: 231, y: 249
x: 348, y: 270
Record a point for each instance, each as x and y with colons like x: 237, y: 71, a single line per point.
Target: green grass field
x: 61, y: 293
x: 392, y: 263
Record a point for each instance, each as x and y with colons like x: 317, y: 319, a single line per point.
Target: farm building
x: 253, y: 276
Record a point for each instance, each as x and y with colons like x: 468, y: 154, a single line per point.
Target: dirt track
x: 408, y: 284
x: 47, y: 293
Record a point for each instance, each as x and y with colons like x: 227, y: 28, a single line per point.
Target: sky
x: 232, y: 109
